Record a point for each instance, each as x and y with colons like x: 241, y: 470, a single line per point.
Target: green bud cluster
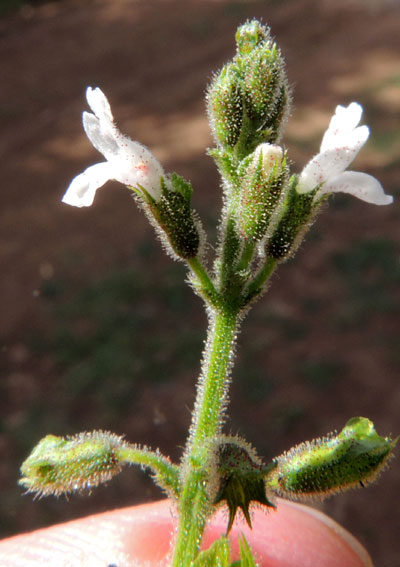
x: 353, y: 458
x: 249, y: 99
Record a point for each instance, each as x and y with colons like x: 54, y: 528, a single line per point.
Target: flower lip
x: 343, y: 122
x: 99, y: 104
x: 128, y: 162
x: 340, y: 145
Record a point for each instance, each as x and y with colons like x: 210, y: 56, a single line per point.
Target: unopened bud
x: 60, y: 465
x: 225, y: 107
x: 250, y: 35
x: 270, y: 155
x: 261, y: 187
x: 249, y: 100
x: 262, y: 81
x: 325, y: 466
x: 265, y: 89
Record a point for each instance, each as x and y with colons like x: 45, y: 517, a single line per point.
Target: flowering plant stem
x: 265, y: 215
x: 194, y: 505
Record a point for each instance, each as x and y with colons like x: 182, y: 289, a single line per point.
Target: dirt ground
x: 98, y: 329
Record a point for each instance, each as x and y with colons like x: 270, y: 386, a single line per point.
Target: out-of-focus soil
x: 320, y: 348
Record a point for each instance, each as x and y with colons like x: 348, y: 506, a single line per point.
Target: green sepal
x: 225, y: 105
x: 266, y: 128
x: 217, y: 555
x: 317, y: 469
x: 174, y: 216
x: 227, y: 163
x: 143, y: 193
x: 240, y: 478
x: 278, y: 114
x: 297, y: 212
x: 262, y: 82
x: 181, y: 186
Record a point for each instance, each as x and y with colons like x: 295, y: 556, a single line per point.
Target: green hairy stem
x: 194, y: 505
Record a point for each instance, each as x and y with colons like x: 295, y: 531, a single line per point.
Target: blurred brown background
x: 98, y: 329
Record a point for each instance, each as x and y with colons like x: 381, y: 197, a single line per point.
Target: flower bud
x: 270, y: 155
x: 250, y: 35
x: 261, y: 188
x: 325, y: 466
x: 264, y: 88
x: 60, y: 465
x: 262, y: 80
x: 248, y: 101
x: 225, y: 107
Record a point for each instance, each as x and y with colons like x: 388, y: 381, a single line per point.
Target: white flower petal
x: 103, y: 140
x: 271, y: 155
x: 82, y: 189
x: 99, y: 104
x: 360, y: 185
x: 346, y: 117
x: 356, y: 137
x: 331, y: 162
x: 136, y: 165
x: 342, y: 123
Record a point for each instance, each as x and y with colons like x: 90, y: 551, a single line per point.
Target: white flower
x: 340, y: 145
x: 271, y: 155
x: 128, y: 162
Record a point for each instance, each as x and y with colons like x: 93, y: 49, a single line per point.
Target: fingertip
x: 291, y: 536
x: 295, y: 535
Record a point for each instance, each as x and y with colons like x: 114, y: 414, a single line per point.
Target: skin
x: 292, y: 536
